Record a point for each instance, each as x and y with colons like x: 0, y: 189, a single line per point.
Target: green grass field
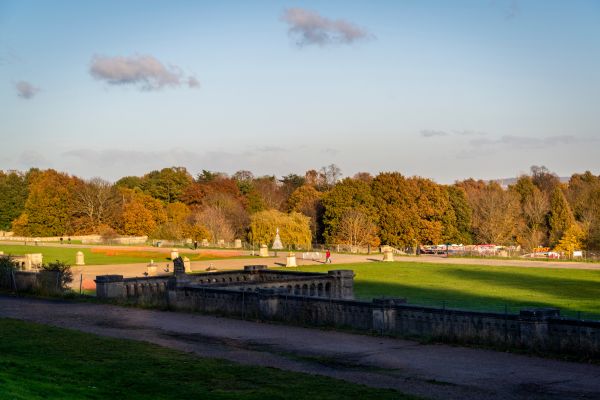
x: 97, y: 257
x: 41, y: 362
x: 473, y: 287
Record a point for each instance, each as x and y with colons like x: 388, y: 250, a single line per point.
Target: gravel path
x: 433, y: 371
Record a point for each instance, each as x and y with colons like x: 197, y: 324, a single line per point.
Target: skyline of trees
x: 390, y: 208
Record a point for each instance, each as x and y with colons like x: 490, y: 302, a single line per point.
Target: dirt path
x: 434, y: 371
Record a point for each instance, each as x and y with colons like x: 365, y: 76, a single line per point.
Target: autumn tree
x: 307, y: 200
x: 96, y: 203
x: 545, y: 180
x: 177, y: 225
x: 411, y: 210
x: 294, y: 228
x: 216, y: 223
x: 560, y: 217
x: 141, y: 213
x: 495, y: 213
x: 270, y: 192
x: 571, y: 240
x: 49, y: 208
x: 583, y: 195
x: 356, y: 229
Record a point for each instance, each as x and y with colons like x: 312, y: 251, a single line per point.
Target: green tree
x: 168, y: 184
x: 457, y: 226
x: 345, y: 195
x: 13, y: 195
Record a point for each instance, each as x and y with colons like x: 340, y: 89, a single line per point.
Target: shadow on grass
x: 461, y: 299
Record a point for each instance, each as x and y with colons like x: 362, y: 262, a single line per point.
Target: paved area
x: 433, y: 371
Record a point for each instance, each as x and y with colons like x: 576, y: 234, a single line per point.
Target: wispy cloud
x: 308, y: 27
x: 31, y: 158
x: 145, y: 72
x: 489, y: 146
x: 526, y: 142
x: 432, y: 133
x: 513, y: 10
x: 428, y: 133
x: 26, y: 90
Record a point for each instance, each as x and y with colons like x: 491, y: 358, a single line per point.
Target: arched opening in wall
x: 237, y: 278
x: 289, y: 288
x: 328, y: 289
x: 320, y: 290
x: 305, y: 290
x: 230, y: 279
x: 128, y: 290
x: 297, y: 290
x: 312, y: 289
x: 245, y: 278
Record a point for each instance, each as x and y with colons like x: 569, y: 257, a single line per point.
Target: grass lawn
x: 40, y: 362
x: 474, y: 287
x: 99, y: 256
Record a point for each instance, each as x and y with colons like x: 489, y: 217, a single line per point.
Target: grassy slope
x: 478, y: 287
x: 67, y: 254
x: 37, y: 361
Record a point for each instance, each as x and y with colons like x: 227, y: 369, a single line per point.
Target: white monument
x: 174, y: 254
x: 237, y: 244
x: 291, y: 260
x: 277, y: 245
x: 187, y: 265
x: 264, y: 251
x: 388, y: 254
x: 79, y: 259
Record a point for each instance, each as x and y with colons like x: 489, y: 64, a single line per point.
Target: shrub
x: 61, y: 277
x: 7, y: 267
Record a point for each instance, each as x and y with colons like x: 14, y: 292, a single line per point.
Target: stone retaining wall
x: 271, y: 295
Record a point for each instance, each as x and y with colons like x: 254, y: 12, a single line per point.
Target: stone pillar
x: 291, y: 260
x: 187, y: 265
x: 264, y: 251
x: 110, y: 286
x: 268, y: 303
x: 533, y: 326
x: 384, y: 314
x: 174, y: 254
x: 237, y: 244
x: 151, y: 269
x: 388, y: 254
x: 343, y: 284
x: 79, y: 258
x: 178, y: 266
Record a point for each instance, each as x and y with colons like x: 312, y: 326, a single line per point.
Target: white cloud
x: 308, y: 27
x: 146, y: 72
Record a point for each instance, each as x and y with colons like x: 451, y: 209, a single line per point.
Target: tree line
x: 319, y: 207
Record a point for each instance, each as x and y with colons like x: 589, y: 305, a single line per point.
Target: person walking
x: 328, y: 257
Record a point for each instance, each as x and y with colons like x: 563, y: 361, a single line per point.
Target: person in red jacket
x: 328, y: 257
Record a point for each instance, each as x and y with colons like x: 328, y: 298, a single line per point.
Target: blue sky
x: 442, y: 89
